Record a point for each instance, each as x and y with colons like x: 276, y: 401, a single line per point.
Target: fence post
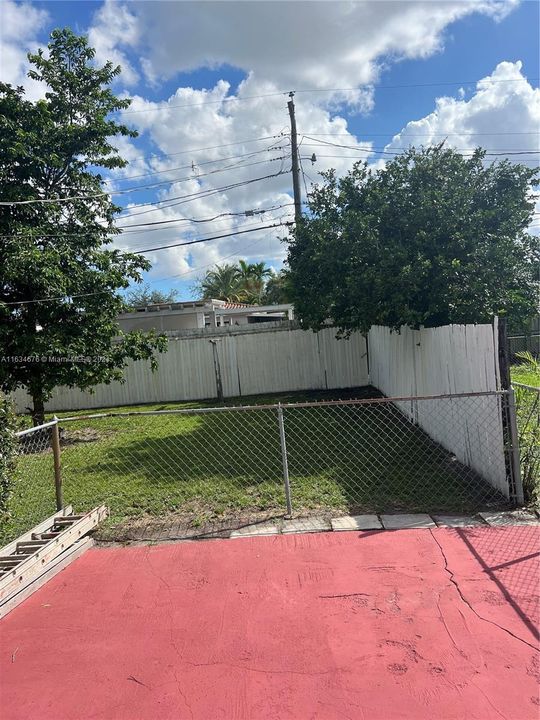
x: 57, y: 465
x: 284, y: 459
x: 217, y: 370
x: 514, y: 447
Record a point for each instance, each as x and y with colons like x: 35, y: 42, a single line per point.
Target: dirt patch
x: 84, y: 435
x: 194, y: 520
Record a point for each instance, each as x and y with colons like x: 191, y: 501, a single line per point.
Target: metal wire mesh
x: 204, y: 469
x: 524, y: 343
x: 416, y: 455
x: 204, y: 466
x: 33, y: 492
x: 527, y: 400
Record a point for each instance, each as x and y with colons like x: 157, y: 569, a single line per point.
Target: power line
x: 453, y: 147
x: 102, y: 292
x: 420, y: 85
x: 193, y: 165
x: 356, y: 157
x: 214, y: 237
x: 224, y: 215
x: 217, y: 147
x: 302, y: 169
x: 182, y: 199
x: 216, y: 218
x: 251, y: 153
x: 464, y: 134
x: 255, y: 225
x: 392, y: 152
x: 235, y: 166
x: 201, y: 104
x: 200, y: 193
x: 127, y: 191
x: 320, y: 90
x: 216, y: 262
x: 241, y: 227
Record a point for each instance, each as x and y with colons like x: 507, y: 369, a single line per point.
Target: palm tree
x: 251, y: 277
x: 244, y: 282
x: 220, y: 283
x: 277, y: 289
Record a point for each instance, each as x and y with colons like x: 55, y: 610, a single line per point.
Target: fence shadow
x: 509, y: 556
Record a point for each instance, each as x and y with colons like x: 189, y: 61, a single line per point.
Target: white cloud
x: 20, y: 25
x: 115, y: 29
x: 233, y: 124
x: 299, y: 44
x: 502, y: 114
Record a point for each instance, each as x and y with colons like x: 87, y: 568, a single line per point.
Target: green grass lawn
x: 528, y: 420
x: 205, y: 467
x: 525, y: 376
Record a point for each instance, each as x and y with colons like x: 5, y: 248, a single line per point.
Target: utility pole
x: 295, y: 165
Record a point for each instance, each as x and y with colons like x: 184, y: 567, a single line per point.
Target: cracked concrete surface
x: 404, y: 625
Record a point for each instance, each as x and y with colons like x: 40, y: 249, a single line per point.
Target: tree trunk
x: 38, y: 402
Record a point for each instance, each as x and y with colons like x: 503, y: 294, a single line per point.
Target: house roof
x: 235, y: 306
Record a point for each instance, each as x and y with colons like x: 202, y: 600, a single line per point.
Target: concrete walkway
x: 160, y: 532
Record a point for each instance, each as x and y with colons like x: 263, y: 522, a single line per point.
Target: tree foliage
x: 8, y: 451
x: 251, y: 278
x: 240, y: 282
x: 277, y: 290
x: 145, y: 295
x: 431, y: 239
x: 59, y: 281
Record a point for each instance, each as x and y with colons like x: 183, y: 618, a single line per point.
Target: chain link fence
x: 524, y: 343
x: 528, y: 424
x: 214, y: 468
x: 33, y: 497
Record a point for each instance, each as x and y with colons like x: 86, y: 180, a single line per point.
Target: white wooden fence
x: 250, y: 363
x: 447, y: 360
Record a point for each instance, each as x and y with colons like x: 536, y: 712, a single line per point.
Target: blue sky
x: 176, y: 54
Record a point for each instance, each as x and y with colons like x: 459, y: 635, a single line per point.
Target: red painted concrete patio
x: 370, y: 626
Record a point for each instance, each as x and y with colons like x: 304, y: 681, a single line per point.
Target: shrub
x: 8, y: 451
x: 528, y: 421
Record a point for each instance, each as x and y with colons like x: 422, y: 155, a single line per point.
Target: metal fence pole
x: 55, y: 441
x: 514, y: 447
x: 284, y: 459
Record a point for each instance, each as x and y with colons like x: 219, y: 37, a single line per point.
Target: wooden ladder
x: 31, y: 556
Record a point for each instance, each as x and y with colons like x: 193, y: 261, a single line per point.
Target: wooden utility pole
x: 295, y: 163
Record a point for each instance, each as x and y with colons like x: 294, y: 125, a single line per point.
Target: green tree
x: 219, y: 283
x: 144, y: 295
x: 253, y: 283
x: 252, y: 278
x: 8, y: 452
x: 433, y: 238
x: 277, y: 290
x: 59, y: 282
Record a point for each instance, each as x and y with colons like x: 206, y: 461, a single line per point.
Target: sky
x: 209, y: 83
